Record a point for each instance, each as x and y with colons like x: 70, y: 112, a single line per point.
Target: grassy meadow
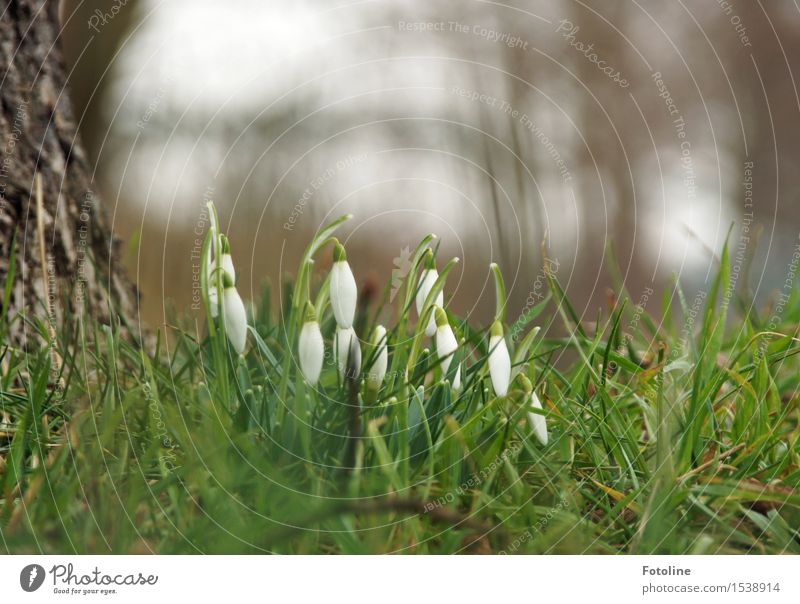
x: 671, y: 427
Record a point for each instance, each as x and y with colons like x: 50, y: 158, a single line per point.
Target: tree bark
x: 66, y: 255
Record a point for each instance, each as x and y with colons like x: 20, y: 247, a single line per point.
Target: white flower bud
x: 537, y: 421
x: 446, y: 345
x: 226, y: 263
x: 377, y: 372
x: 310, y: 347
x: 499, y: 360
x: 235, y: 316
x: 427, y: 278
x: 343, y: 290
x: 342, y: 347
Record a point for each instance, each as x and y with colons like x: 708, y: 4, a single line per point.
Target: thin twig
x: 711, y: 462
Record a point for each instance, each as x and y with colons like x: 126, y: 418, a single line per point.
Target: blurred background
x: 648, y: 127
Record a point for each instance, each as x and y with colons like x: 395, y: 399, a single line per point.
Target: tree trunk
x: 63, y: 230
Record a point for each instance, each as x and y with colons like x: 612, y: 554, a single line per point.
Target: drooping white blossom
x: 343, y: 290
x: 345, y: 345
x: 235, y: 315
x: 310, y: 347
x: 537, y: 421
x: 427, y: 279
x: 377, y: 372
x: 499, y: 360
x: 223, y: 260
x: 446, y: 345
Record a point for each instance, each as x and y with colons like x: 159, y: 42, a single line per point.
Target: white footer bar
x: 401, y: 579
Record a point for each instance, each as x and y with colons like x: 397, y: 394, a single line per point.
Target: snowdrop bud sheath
x: 235, y: 316
x: 499, y: 360
x: 343, y: 289
x: 310, y: 347
x: 427, y: 279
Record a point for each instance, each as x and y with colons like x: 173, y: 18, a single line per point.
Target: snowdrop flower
x: 345, y: 343
x: 310, y: 347
x: 536, y: 420
x: 446, y: 345
x: 426, y: 280
x: 235, y: 315
x: 226, y: 263
x: 381, y: 360
x: 499, y: 360
x: 343, y: 289
x: 457, y: 379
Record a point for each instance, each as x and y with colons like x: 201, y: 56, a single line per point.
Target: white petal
x: 235, y: 319
x: 537, y: 421
x: 227, y: 266
x: 311, y: 350
x: 425, y: 284
x: 343, y: 292
x: 499, y: 365
x: 378, y: 370
x: 342, y: 347
x: 446, y: 345
x: 426, y: 281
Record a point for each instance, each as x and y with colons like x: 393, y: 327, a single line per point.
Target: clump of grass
x: 661, y: 438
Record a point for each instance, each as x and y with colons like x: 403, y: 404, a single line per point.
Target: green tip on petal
x: 309, y: 314
x: 339, y: 255
x: 225, y: 245
x: 430, y: 262
x: 527, y: 387
x: 497, y: 330
x: 441, y: 317
x: 227, y: 282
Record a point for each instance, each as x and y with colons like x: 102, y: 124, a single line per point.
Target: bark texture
x: 38, y: 135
